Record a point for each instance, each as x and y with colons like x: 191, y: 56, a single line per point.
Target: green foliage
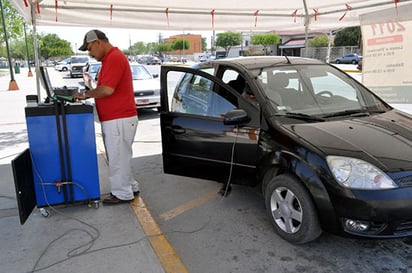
x: 164, y: 47
x: 265, y: 40
x: 348, y: 37
x: 319, y: 41
x: 52, y: 46
x: 138, y: 48
x: 180, y: 44
x: 14, y: 22
x: 204, y: 44
x: 228, y: 39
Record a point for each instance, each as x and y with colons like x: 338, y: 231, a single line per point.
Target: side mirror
x: 236, y: 117
x: 155, y: 75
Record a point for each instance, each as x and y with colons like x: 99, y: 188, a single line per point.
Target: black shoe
x: 113, y: 200
x: 225, y: 190
x: 136, y: 193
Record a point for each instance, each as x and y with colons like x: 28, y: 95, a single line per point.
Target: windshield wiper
x: 300, y: 116
x: 352, y: 113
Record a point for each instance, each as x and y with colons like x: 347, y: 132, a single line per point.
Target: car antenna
x: 286, y: 56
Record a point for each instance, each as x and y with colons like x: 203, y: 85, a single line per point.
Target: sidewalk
x: 74, y: 238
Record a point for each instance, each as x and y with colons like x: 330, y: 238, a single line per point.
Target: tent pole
x: 36, y: 47
x: 13, y: 84
x: 307, y: 20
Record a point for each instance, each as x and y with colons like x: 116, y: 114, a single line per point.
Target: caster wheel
x: 96, y: 204
x: 44, y: 212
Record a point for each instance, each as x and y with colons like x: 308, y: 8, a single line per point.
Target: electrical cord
x: 85, y: 249
x: 226, y: 189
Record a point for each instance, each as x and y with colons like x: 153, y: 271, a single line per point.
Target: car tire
x: 337, y: 61
x: 291, y: 210
x: 354, y: 62
x: 64, y: 69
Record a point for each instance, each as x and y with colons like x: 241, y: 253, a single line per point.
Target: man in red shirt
x: 116, y: 108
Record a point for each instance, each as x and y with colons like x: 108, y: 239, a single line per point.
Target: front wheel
x: 291, y: 209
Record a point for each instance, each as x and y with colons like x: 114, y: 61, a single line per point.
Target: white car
x: 146, y: 87
x: 64, y: 65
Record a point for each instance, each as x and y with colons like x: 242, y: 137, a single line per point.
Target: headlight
x: 357, y: 174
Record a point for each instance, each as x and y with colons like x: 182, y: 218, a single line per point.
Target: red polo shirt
x: 116, y: 73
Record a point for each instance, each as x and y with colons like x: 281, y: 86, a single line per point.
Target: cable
x: 228, y: 187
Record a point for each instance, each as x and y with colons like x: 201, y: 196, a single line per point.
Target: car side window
x: 197, y: 95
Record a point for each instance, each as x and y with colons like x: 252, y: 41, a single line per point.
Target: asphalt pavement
x: 73, y: 238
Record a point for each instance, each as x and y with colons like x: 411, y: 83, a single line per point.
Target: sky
x: 121, y: 38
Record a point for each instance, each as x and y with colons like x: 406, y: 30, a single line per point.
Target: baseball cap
x: 92, y: 36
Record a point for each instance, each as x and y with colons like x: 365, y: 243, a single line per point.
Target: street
x: 215, y: 234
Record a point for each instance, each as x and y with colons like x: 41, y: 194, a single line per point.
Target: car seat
x: 238, y: 84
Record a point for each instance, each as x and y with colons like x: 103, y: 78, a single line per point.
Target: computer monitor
x: 66, y: 94
x: 45, y: 80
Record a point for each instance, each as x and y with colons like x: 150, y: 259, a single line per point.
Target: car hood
x: 143, y: 85
x: 384, y: 140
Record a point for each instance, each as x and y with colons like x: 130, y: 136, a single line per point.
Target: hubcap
x: 286, y: 210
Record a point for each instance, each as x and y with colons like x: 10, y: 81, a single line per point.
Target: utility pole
x: 13, y: 84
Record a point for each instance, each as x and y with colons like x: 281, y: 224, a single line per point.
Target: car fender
x: 286, y: 162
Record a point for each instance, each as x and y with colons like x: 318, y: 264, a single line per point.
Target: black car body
x: 328, y: 153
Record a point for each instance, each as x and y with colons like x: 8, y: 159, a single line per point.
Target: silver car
x: 352, y: 58
x: 146, y: 87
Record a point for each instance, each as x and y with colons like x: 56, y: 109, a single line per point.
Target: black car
x: 327, y: 152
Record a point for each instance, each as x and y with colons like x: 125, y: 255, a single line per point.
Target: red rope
x: 256, y: 16
x: 56, y: 6
x: 316, y: 14
x: 213, y: 18
x: 294, y: 15
x: 348, y: 8
x: 167, y: 16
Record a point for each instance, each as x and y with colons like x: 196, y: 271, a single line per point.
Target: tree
x: 319, y: 41
x: 228, y: 39
x: 204, y: 44
x: 164, y: 47
x: 180, y: 44
x: 52, y: 46
x: 348, y: 37
x: 138, y: 48
x: 14, y: 22
x: 265, y: 40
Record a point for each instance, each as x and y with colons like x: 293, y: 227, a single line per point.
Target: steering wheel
x: 323, y: 93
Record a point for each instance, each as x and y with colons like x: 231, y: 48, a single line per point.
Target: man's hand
x: 80, y: 96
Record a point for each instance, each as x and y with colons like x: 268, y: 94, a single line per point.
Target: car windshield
x: 316, y: 90
x: 94, y: 68
x: 79, y: 60
x: 139, y: 72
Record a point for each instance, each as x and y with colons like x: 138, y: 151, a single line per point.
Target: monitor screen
x: 45, y: 80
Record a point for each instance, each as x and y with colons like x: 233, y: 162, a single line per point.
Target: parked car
x: 90, y: 74
x: 77, y: 64
x: 63, y: 65
x: 328, y: 153
x: 349, y: 59
x: 153, y: 60
x: 146, y: 87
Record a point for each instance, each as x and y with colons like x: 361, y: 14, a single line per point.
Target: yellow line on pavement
x: 168, y: 258
x: 187, y: 206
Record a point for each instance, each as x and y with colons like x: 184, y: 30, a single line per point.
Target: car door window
x: 196, y: 95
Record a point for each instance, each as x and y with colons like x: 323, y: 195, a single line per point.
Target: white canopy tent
x: 187, y: 15
x: 302, y: 16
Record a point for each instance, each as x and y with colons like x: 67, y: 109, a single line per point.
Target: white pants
x: 118, y: 137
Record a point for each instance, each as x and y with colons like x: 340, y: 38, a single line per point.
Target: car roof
x: 254, y: 62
